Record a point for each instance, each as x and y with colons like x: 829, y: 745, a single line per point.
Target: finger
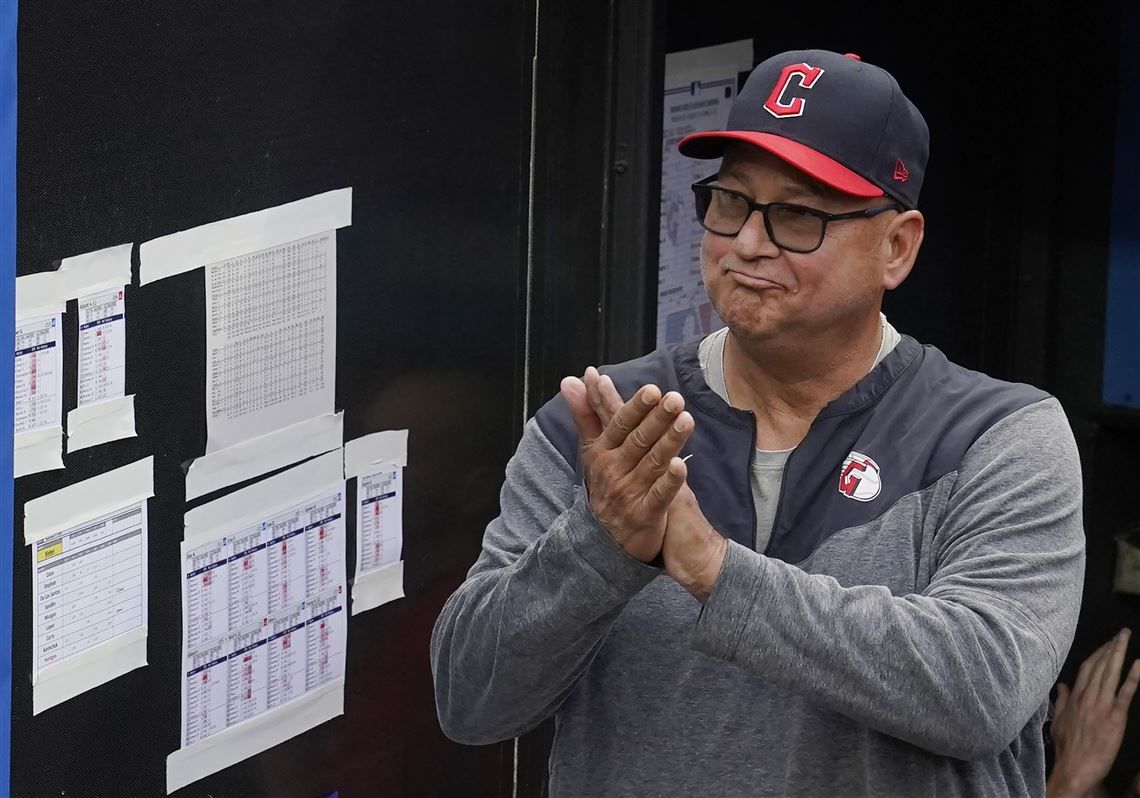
x: 611, y: 398
x: 1110, y: 678
x: 1097, y: 673
x: 1128, y: 689
x: 593, y: 393
x: 662, y: 492
x: 1062, y: 698
x: 668, y: 446
x: 585, y: 419
x: 652, y: 428
x: 629, y: 416
x: 1086, y: 670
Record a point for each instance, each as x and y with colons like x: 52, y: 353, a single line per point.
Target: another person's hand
x: 1089, y: 721
x: 629, y: 459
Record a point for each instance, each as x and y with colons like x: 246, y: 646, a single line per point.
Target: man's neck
x: 787, y: 382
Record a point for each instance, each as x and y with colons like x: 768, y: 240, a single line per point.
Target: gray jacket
x: 895, y: 644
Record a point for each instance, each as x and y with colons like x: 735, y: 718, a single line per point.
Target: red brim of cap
x: 824, y: 169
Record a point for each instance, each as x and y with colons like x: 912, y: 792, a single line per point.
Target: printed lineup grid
x: 264, y: 619
x: 269, y: 307
x: 36, y: 380
x: 268, y: 369
x: 89, y: 585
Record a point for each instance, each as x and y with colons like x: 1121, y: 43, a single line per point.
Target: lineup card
x: 379, y: 518
x: 90, y: 585
x: 39, y: 356
x: 102, y: 346
x: 263, y: 610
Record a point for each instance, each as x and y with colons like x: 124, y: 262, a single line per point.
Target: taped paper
x: 240, y: 235
x: 39, y: 294
x: 270, y: 340
x: 373, y: 588
x: 264, y: 614
x: 360, y: 455
x: 250, y: 504
x: 97, y: 666
x: 232, y: 745
x: 103, y: 270
x: 91, y: 498
x: 38, y: 450
x: 109, y: 420
x: 89, y: 604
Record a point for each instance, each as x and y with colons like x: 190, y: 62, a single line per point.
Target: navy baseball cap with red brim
x: 843, y: 122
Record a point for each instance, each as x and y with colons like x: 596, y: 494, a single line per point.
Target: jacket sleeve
x: 510, y: 643
x: 960, y: 668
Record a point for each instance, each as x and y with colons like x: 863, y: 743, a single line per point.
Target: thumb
x: 585, y: 419
x: 1062, y: 699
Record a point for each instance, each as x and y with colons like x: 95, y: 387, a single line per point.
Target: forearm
x: 511, y: 642
x: 957, y: 677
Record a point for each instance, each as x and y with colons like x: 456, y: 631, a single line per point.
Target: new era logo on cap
x: 840, y: 120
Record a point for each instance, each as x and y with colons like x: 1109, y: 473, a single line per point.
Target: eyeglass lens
x: 725, y: 213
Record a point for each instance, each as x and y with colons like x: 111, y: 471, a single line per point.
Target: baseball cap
x: 841, y: 120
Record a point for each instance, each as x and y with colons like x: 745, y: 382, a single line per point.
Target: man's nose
x: 753, y: 240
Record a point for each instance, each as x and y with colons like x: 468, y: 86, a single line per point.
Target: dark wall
x: 141, y: 119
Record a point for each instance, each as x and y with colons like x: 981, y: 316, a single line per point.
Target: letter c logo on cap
x: 803, y: 74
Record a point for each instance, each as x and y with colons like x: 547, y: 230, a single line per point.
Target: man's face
x: 762, y: 291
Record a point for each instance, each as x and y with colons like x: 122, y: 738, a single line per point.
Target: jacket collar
x: 865, y: 392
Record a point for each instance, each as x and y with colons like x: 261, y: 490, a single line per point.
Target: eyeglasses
x: 796, y: 228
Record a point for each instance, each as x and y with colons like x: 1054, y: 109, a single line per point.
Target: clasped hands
x: 636, y: 482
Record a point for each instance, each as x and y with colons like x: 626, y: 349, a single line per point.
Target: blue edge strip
x: 7, y: 333
x: 1122, y: 322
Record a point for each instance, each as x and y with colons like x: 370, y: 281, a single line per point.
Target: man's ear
x: 901, y: 242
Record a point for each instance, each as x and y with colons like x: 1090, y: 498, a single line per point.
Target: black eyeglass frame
x: 753, y: 206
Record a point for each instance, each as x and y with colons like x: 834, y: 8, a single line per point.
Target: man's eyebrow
x: 784, y: 188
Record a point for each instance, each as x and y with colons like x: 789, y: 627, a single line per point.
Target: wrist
x: 704, y: 568
x: 1063, y: 784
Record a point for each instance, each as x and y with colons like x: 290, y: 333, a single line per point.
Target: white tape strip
x: 373, y: 588
x: 39, y: 295
x: 37, y: 450
x: 380, y: 447
x: 88, y: 499
x: 251, y: 504
x: 228, y: 747
x: 100, y: 422
x: 269, y: 452
x: 95, y: 666
x: 96, y: 271
x: 222, y: 240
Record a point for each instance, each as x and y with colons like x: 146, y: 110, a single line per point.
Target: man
x: 865, y: 579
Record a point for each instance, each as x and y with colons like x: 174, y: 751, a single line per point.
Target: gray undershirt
x: 767, y: 465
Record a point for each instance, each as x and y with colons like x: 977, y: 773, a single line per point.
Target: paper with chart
x: 263, y: 608
x: 102, y: 346
x: 103, y: 412
x: 699, y: 88
x: 39, y: 369
x: 270, y: 339
x: 377, y: 461
x: 37, y: 412
x: 89, y: 582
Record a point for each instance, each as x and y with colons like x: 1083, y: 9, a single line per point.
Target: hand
x: 1089, y: 721
x: 629, y: 458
